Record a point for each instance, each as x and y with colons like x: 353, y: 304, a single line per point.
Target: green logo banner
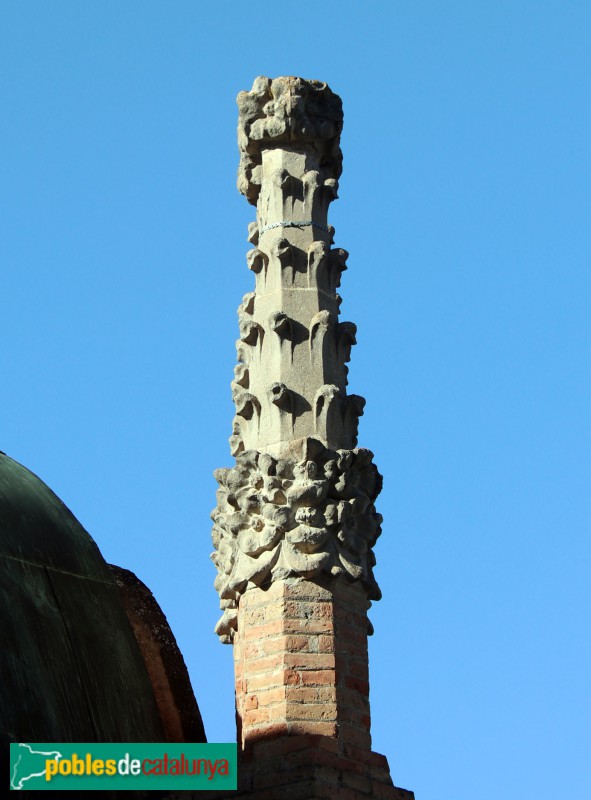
x: 122, y: 766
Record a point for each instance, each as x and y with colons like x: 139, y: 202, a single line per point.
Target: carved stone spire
x: 299, y: 503
x: 295, y: 520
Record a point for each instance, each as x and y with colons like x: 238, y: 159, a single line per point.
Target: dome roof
x: 35, y: 526
x: 70, y: 664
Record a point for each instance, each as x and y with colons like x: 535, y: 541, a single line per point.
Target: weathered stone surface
x: 288, y: 111
x: 276, y: 519
x: 299, y: 501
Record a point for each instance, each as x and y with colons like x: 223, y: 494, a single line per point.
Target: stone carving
x: 287, y: 111
x: 289, y: 258
x: 321, y: 327
x: 325, y: 266
x: 247, y: 305
x: 317, y: 259
x: 236, y: 441
x: 284, y: 327
x: 247, y: 405
x: 251, y: 333
x: 276, y: 518
x: 354, y: 405
x: 258, y: 262
x: 240, y: 376
x: 299, y: 501
x: 338, y: 264
x: 328, y: 422
x: 253, y: 233
x: 347, y: 338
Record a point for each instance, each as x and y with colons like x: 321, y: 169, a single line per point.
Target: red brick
x: 252, y: 650
x: 271, y: 778
x: 311, y: 711
x: 359, y: 755
x: 318, y: 676
x: 298, y: 694
x: 256, y: 596
x: 318, y: 728
x: 266, y: 698
x: 300, y: 790
x: 323, y: 742
x: 339, y: 793
x: 298, y: 609
x: 353, y: 700
x: 257, y: 632
x: 326, y: 644
x: 289, y: 775
x: 352, y: 618
x: 309, y: 660
x: 358, y: 782
x: 354, y: 669
x: 352, y: 643
x: 264, y: 664
x: 255, y: 717
x: 378, y: 760
x: 289, y: 644
x: 328, y: 792
x: 314, y: 694
x: 317, y: 756
x: 307, y: 625
x: 383, y: 791
x: 306, y: 590
x: 266, y: 680
x: 350, y: 734
x: 270, y: 731
x: 291, y: 677
x: 307, y: 743
x: 357, y: 685
x: 283, y: 745
x: 381, y: 775
x: 259, y: 615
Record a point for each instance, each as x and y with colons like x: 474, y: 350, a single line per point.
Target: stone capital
x: 292, y: 113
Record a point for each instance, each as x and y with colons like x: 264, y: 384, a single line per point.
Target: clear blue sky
x: 465, y: 205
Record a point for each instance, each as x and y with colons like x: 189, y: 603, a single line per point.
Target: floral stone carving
x: 277, y: 519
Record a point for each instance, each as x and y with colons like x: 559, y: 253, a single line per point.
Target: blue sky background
x: 465, y: 205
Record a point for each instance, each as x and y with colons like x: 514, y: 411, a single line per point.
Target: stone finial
x: 287, y: 111
x: 299, y: 501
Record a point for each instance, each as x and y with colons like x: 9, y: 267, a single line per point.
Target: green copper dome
x: 70, y: 666
x: 35, y: 526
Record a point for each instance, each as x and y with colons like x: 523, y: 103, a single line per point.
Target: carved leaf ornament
x: 277, y: 519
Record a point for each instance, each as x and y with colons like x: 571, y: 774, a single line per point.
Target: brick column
x: 300, y: 656
x: 302, y: 695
